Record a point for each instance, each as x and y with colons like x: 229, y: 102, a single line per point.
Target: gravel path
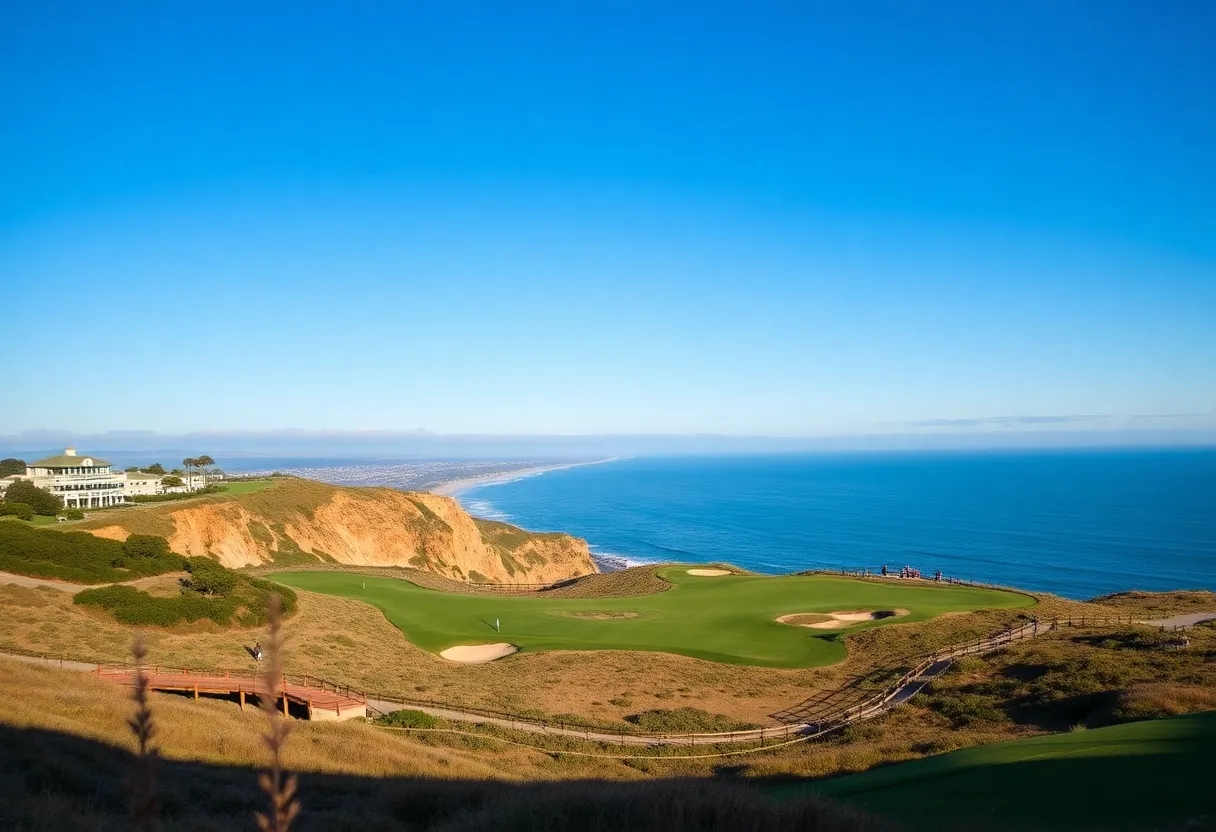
x: 1181, y: 622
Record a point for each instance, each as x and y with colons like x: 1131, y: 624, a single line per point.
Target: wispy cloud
x: 1004, y: 421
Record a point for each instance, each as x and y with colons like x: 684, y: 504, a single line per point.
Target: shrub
x: 145, y: 546
x: 684, y: 721
x: 967, y: 709
x: 410, y: 719
x: 22, y: 511
x: 132, y: 606
x: 10, y: 466
x: 244, y: 605
x: 207, y: 577
x: 74, y: 556
x: 76, y: 514
x: 42, y: 501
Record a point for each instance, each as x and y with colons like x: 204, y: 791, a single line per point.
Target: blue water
x: 1077, y: 524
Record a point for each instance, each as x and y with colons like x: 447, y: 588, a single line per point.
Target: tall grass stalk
x: 279, y: 788
x: 142, y: 783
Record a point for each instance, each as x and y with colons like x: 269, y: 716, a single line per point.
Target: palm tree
x: 202, y: 462
x: 189, y: 462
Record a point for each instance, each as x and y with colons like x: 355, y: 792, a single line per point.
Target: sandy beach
x: 453, y: 488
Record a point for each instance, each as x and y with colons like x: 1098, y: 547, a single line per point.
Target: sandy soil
x: 708, y: 573
x: 478, y: 653
x: 842, y: 619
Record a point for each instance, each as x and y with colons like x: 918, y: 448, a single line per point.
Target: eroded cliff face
x: 298, y: 519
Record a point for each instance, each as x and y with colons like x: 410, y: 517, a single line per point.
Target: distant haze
x: 291, y: 443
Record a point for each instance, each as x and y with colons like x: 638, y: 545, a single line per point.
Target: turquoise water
x: 1077, y: 524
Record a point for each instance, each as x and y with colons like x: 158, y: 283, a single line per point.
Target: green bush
x: 207, y: 577
x: 22, y: 511
x: 72, y: 514
x: 42, y: 501
x: 145, y: 546
x: 685, y: 721
x: 75, y: 556
x: 244, y: 605
x: 132, y: 606
x: 410, y: 719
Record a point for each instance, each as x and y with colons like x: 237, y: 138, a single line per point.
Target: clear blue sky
x: 749, y: 218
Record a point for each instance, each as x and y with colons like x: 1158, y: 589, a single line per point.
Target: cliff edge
x: 300, y: 520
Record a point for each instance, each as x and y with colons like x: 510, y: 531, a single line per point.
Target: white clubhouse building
x: 82, y: 481
x: 88, y: 482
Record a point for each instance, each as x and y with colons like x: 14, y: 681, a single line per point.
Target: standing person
x: 257, y: 652
x: 884, y: 570
x: 938, y: 576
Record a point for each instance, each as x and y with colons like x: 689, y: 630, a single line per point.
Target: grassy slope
x: 66, y: 759
x: 1143, y: 775
x: 235, y: 488
x: 727, y: 619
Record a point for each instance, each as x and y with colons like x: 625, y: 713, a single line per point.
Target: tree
x: 202, y: 462
x: 11, y: 466
x: 155, y: 468
x: 189, y: 462
x: 42, y: 501
x: 171, y: 481
x: 72, y: 514
x: 131, y: 470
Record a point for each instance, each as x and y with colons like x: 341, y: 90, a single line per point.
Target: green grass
x: 1142, y: 775
x: 725, y: 619
x: 245, y: 487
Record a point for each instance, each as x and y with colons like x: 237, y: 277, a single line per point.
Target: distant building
x: 82, y: 481
x: 140, y: 484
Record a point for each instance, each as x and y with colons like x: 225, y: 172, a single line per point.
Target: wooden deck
x: 320, y: 703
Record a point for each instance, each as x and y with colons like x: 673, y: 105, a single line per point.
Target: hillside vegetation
x: 210, y: 591
x: 301, y: 522
x: 80, y: 557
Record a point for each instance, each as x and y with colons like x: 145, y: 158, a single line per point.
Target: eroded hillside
x: 301, y: 520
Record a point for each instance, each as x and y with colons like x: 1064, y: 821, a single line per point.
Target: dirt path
x: 25, y: 580
x: 1182, y: 622
x: 72, y: 589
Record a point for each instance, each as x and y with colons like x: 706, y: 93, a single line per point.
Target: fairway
x: 724, y: 619
x: 1143, y: 775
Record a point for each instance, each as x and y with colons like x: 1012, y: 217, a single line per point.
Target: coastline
x: 455, y: 487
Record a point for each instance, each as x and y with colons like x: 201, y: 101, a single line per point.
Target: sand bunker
x: 708, y: 573
x: 478, y: 653
x: 836, y: 620
x: 601, y: 615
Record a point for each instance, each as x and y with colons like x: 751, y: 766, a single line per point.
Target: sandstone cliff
x: 300, y: 520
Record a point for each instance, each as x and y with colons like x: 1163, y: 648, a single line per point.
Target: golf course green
x: 727, y: 618
x: 1155, y: 774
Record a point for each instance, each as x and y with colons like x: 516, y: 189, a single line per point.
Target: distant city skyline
x: 810, y: 224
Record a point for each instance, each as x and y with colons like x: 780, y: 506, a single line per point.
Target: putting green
x: 724, y: 619
x: 1144, y: 775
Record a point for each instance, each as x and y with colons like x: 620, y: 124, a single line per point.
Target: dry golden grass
x: 351, y: 642
x: 218, y: 731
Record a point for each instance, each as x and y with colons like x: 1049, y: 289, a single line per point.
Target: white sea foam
x: 485, y: 510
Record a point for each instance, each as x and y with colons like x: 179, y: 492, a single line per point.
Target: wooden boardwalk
x: 320, y: 703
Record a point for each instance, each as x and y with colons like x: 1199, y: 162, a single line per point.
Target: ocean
x: 1077, y: 523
